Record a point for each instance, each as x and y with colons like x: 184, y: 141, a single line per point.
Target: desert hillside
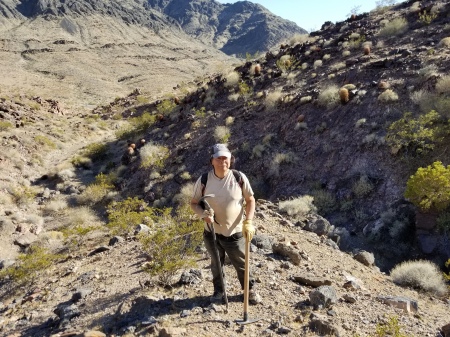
x: 98, y: 239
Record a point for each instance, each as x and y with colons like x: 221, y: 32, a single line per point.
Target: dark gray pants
x: 234, y: 247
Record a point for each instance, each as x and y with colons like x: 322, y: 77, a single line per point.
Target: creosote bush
x: 5, y: 125
x: 418, y: 135
x: 429, y: 187
x: 124, y: 216
x: 420, y: 274
x: 166, y: 107
x: 172, y: 244
x: 29, y: 265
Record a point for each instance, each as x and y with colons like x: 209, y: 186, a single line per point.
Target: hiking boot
x: 254, y: 297
x: 217, y: 297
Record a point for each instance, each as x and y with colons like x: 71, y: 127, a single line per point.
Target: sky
x: 311, y: 14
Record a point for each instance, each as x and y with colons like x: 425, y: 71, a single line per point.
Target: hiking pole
x: 246, y: 320
x: 204, y: 204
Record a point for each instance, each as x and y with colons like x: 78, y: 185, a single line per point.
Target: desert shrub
x: 285, y: 63
x: 298, y: 39
x: 391, y: 328
x: 222, y: 134
x: 54, y: 207
x: 388, y: 96
x: 166, y: 107
x: 317, y: 64
x: 426, y: 18
x: 362, y: 187
x: 326, y: 57
x: 141, y: 99
x: 325, y: 201
x: 273, y: 98
x: 329, y: 97
x: 229, y: 120
x: 395, y: 27
x: 258, y: 151
x: 23, y: 194
x: 124, y: 216
x: 98, y: 190
x: 185, y: 195
x: 244, y: 89
x: 5, y: 125
x: 305, y: 99
x: 153, y: 155
x: 44, y: 141
x: 443, y: 85
x: 420, y: 274
x: 299, y: 206
x: 232, y: 79
x: 81, y: 161
x: 30, y: 265
x: 337, y: 66
x: 278, y: 159
x: 429, y: 187
x: 417, y: 134
x: 79, y: 216
x: 172, y: 245
x: 445, y: 42
x: 96, y: 151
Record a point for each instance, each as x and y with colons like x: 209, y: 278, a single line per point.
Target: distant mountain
x: 233, y: 28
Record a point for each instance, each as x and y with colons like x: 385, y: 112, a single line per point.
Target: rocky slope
x: 289, y: 138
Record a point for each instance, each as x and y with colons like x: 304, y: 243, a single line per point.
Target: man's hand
x: 248, y: 229
x: 208, y: 215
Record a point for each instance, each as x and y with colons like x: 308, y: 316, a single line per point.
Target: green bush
x: 5, y: 125
x: 172, y: 246
x: 389, y: 329
x: 429, y: 187
x: 45, y: 141
x: 166, y: 107
x: 29, y: 265
x: 325, y: 201
x: 98, y: 190
x: 421, y: 274
x: 124, y: 216
x: 362, y: 187
x: 419, y: 135
x: 426, y: 18
x: 96, y: 151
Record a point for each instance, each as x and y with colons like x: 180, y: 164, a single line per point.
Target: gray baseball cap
x: 220, y: 150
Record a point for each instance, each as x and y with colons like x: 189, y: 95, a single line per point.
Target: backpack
x: 237, y: 176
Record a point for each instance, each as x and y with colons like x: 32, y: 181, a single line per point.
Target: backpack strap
x: 237, y: 176
x: 204, y: 180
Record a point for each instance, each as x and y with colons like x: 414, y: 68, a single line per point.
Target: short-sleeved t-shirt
x: 227, y: 202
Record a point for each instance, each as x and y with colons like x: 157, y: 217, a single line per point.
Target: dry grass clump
x: 80, y: 216
x: 393, y: 28
x: 445, y: 42
x: 388, y: 96
x: 299, y: 206
x: 222, y: 134
x: 153, y: 155
x: 298, y: 39
x: 232, y: 79
x: 420, y: 274
x: 443, y: 85
x: 346, y: 53
x: 54, y: 207
x: 273, y: 98
x: 329, y: 97
x: 184, y: 197
x: 337, y: 66
x: 317, y: 64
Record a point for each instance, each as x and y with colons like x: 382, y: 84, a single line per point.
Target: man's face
x: 221, y: 163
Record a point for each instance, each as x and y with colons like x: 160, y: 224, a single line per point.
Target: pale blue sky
x: 311, y: 14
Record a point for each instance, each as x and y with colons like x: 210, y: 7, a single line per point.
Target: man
x: 232, y: 225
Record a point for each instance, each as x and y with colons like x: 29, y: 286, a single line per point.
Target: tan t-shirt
x: 227, y: 202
